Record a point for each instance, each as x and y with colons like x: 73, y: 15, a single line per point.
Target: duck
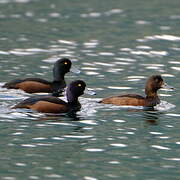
x: 151, y: 99
x: 51, y: 104
x: 38, y: 85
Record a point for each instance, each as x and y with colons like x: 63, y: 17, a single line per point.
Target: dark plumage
x: 153, y: 84
x: 50, y: 104
x: 37, y: 85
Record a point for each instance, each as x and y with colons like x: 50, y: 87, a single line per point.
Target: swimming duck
x: 153, y: 84
x: 50, y: 104
x: 37, y: 85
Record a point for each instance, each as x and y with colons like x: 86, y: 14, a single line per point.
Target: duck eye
x: 65, y: 62
x: 79, y: 85
x: 156, y: 80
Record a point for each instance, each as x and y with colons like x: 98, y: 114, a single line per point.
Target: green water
x: 116, y: 45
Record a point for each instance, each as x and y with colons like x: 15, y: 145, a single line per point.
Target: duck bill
x: 89, y: 92
x: 166, y: 86
x: 75, y: 70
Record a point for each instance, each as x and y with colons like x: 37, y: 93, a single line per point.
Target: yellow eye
x: 79, y: 85
x: 65, y: 62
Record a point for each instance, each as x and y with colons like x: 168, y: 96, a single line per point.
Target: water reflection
x: 166, y: 37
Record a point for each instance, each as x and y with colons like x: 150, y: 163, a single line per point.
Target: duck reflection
x: 151, y: 117
x: 59, y: 117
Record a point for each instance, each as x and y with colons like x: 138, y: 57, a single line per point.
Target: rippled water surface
x: 116, y: 45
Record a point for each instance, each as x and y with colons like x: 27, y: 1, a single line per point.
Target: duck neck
x: 151, y: 94
x: 59, y: 77
x: 74, y: 105
x: 58, y: 86
x: 152, y: 97
x: 72, y: 100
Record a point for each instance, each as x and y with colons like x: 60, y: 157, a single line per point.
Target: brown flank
x: 122, y: 101
x: 33, y: 87
x: 45, y: 107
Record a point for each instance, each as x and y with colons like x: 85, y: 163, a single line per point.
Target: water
x: 116, y: 45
